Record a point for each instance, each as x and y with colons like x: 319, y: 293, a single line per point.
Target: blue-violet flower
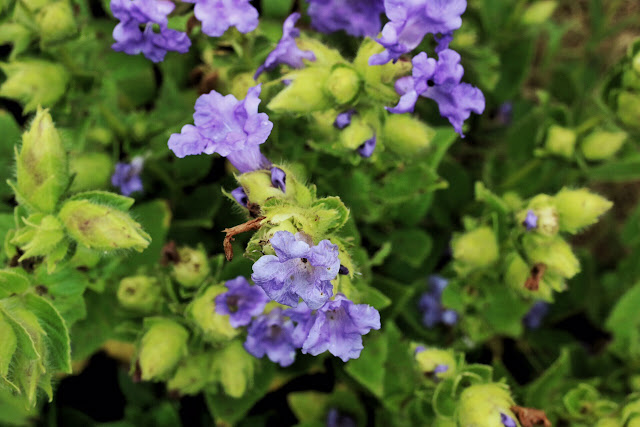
x: 336, y: 418
x: 217, y: 16
x: 431, y: 306
x: 356, y: 17
x: 270, y: 334
x: 538, y: 311
x: 298, y: 270
x: 241, y: 302
x: 240, y: 196
x: 507, y: 421
x: 343, y: 119
x: 127, y: 176
x: 279, y: 179
x: 366, y: 148
x: 530, y: 221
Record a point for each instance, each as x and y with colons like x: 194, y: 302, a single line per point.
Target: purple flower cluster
x: 356, y: 17
x: 287, y: 51
x: 132, y: 39
x: 411, y: 20
x: 242, y: 302
x: 431, y: 306
x: 234, y: 129
x: 217, y: 16
x: 127, y: 176
x: 298, y: 270
x: 440, y: 81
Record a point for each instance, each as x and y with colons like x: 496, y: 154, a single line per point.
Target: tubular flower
x: 241, y: 302
x: 270, y: 334
x: 217, y: 16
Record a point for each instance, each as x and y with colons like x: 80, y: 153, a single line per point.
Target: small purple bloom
x: 507, y: 421
x: 217, y: 16
x: 132, y: 40
x: 298, y: 270
x: 240, y: 196
x: 505, y: 113
x: 431, y: 306
x: 304, y: 319
x: 533, y: 319
x: 287, y: 51
x: 231, y: 128
x: 344, y: 119
x: 411, y: 20
x: 279, y: 179
x: 338, y: 327
x: 440, y: 81
x: 443, y: 41
x: 127, y: 176
x: 419, y: 349
x: 531, y: 220
x: 449, y: 317
x: 440, y: 369
x: 241, y: 302
x: 356, y: 17
x: 336, y: 418
x: 271, y: 334
x: 367, y: 147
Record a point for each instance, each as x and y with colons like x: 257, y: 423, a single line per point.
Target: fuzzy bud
x: 554, y: 252
x: 102, y: 227
x: 305, y: 94
x: 343, y: 84
x: 192, y: 267
x: 434, y: 361
x: 543, y: 206
x: 561, y: 141
x: 483, y: 405
x: 161, y: 348
x: 407, y: 136
x: 233, y: 368
x: 602, y: 145
x: 476, y: 249
x: 140, y: 293
x: 202, y: 311
x: 539, y: 12
x: 258, y: 186
x: 628, y: 109
x: 56, y: 22
x: 578, y: 209
x: 90, y: 171
x: 635, y: 63
x: 356, y: 133
x: 26, y: 84
x: 42, y: 170
x: 190, y: 377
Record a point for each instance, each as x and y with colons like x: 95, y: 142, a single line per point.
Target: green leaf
x: 12, y: 282
x: 308, y: 406
x: 369, y: 369
x: 547, y: 390
x: 412, y: 246
x: 155, y: 218
x: 9, y: 345
x: 624, y: 324
x: 106, y: 198
x: 627, y: 169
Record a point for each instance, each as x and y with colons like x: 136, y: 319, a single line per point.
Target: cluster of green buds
x: 51, y: 224
x: 622, y: 90
x: 595, y: 143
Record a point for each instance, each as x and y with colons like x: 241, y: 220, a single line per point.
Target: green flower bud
x: 635, y: 63
x: 628, y: 108
x: 56, y: 22
x: 481, y: 405
x: 517, y: 272
x: 100, y: 135
x: 40, y: 236
x: 356, y: 133
x: 305, y: 93
x: 42, y: 171
x: 140, y: 293
x: 631, y: 79
x: 539, y: 12
x: 439, y: 363
x: 579, y: 208
x: 26, y: 84
x: 476, y: 249
x: 233, y: 368
x: 202, y: 311
x: 102, y: 227
x: 192, y: 267
x: 544, y: 208
x: 258, y: 187
x: 406, y: 135
x: 34, y: 5
x: 634, y: 382
x: 90, y: 171
x: 161, y: 348
x: 343, y: 84
x: 608, y: 422
x: 325, y: 56
x: 561, y: 141
x: 601, y: 145
x: 190, y: 377
x: 631, y: 409
x: 379, y: 80
x: 554, y: 252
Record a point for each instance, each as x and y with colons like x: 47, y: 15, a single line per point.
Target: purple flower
x: 411, y: 20
x: 304, y: 319
x: 279, y: 179
x: 132, y: 40
x: 531, y: 220
x: 505, y: 113
x: 240, y: 196
x: 127, y: 176
x: 336, y: 418
x: 231, y: 128
x: 538, y: 311
x: 507, y: 421
x: 338, y: 327
x: 271, y: 334
x: 241, y: 302
x: 287, y: 51
x: 356, y: 17
x: 298, y: 270
x: 431, y: 306
x: 440, y: 369
x: 366, y: 148
x: 344, y: 119
x: 218, y: 15
x: 440, y: 81
x: 419, y: 349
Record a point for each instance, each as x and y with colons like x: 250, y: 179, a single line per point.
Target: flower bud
x: 325, y: 56
x: 140, y: 293
x: 601, y: 145
x: 631, y: 80
x: 517, y: 271
x: 258, y: 187
x: 100, y: 135
x: 635, y: 63
x: 102, y: 227
x: 539, y: 12
x: 579, y: 208
x: 343, y: 84
x: 233, y: 368
x: 561, y: 141
x: 192, y: 267
x: 483, y: 405
x: 554, y: 252
x: 161, y: 348
x: 305, y: 94
x: 202, y: 311
x: 90, y: 171
x: 56, y: 22
x: 407, y: 136
x: 434, y: 361
x: 42, y: 171
x: 628, y: 109
x: 543, y: 206
x: 26, y: 84
x: 190, y: 377
x: 608, y: 422
x: 476, y: 249
x: 40, y: 236
x: 356, y: 133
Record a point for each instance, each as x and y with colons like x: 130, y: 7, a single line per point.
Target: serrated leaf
x: 12, y: 282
